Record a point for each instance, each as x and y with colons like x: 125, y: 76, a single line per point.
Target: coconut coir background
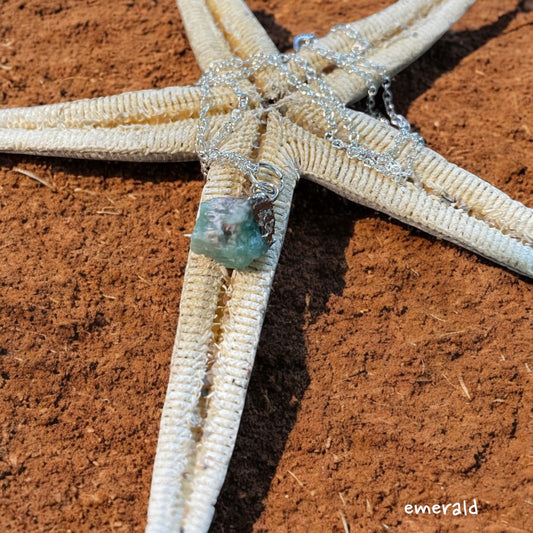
x: 393, y: 368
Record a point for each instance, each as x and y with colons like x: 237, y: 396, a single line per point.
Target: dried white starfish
x: 221, y: 312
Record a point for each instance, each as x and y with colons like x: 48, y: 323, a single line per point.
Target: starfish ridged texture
x: 222, y: 311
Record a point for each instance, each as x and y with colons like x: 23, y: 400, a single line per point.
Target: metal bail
x: 266, y: 188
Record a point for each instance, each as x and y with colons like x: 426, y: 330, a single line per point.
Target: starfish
x: 221, y: 312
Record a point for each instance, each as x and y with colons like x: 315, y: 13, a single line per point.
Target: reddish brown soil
x: 393, y: 368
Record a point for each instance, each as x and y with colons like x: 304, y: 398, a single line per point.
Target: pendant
x: 234, y: 231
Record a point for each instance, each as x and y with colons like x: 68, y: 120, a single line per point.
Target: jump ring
x: 267, y: 188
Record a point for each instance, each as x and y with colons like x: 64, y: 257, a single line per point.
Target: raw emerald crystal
x: 226, y: 231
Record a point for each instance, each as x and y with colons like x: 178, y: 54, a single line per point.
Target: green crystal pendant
x: 233, y: 231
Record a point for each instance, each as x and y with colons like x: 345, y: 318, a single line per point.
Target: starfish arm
x: 181, y: 419
x: 229, y: 29
x: 444, y: 200
x: 397, y: 36
x: 151, y: 125
x: 205, y: 37
x: 221, y: 315
x: 143, y: 143
x: 242, y: 30
x: 152, y: 106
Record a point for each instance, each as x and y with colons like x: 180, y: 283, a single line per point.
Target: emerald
x: 227, y: 231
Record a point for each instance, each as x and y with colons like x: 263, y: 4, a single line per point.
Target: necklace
x: 236, y: 230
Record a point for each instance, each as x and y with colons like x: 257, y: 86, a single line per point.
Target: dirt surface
x: 393, y: 368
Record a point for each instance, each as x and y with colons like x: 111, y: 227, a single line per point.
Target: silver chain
x: 301, y: 77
